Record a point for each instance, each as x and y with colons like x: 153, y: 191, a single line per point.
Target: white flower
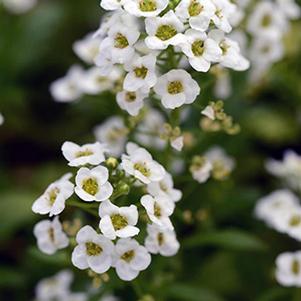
x: 289, y: 169
x: 93, y: 251
x: 113, y: 133
x: 224, y: 9
x: 141, y: 73
x: 130, y: 258
x: 86, y: 154
x: 94, y: 82
x: 118, y: 221
x: 153, y: 122
x: 200, y: 50
x: 176, y: 88
x: 164, y: 31
x: 290, y: 8
x: 231, y: 57
x: 111, y: 4
x: 272, y: 207
x: 145, y: 8
x: 1, y: 119
x: 53, y: 199
x: 131, y: 101
x: 177, y: 143
x: 19, y: 6
x: 165, y: 187
x: 209, y: 112
x: 159, y: 209
x: 198, y: 12
x: 288, y: 271
x: 201, y: 171
x: 50, y: 236
x: 68, y: 88
x: 140, y: 164
x: 87, y: 48
x: 92, y: 184
x: 56, y: 287
x: 119, y: 43
x: 160, y: 241
x: 267, y: 20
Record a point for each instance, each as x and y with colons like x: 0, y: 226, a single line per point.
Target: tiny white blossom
x: 159, y: 209
x: 53, y: 199
x: 165, y: 187
x: 87, y: 48
x: 50, y: 236
x: 290, y: 8
x: 288, y: 272
x: 68, y: 88
x: 86, y: 154
x: 131, y: 101
x: 140, y: 164
x: 161, y: 241
x: 164, y: 31
x: 118, y: 221
x: 201, y: 172
x: 178, y: 143
x: 198, y: 12
x: 141, y: 73
x: 93, y: 251
x: 92, y: 184
x: 224, y: 9
x: 176, y: 88
x: 200, y: 50
x: 113, y: 133
x: 145, y: 8
x: 209, y: 112
x: 231, y: 57
x: 130, y: 258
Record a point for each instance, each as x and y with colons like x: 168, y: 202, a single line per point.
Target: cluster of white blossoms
x: 58, y: 287
x: 215, y: 162
x: 281, y: 210
x: 143, y: 49
x: 18, y: 6
x: 99, y: 186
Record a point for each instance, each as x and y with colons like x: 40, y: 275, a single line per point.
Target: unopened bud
x: 112, y: 162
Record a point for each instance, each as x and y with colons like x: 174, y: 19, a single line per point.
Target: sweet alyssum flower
x: 131, y: 101
x: 50, y: 236
x: 93, y: 251
x: 141, y: 73
x: 145, y: 8
x: 92, y: 184
x: 161, y: 241
x: 159, y: 209
x: 140, y: 164
x: 92, y: 154
x: 68, y: 88
x: 113, y: 133
x: 53, y: 199
x: 200, y: 50
x: 198, y: 12
x: 164, y: 31
x: 130, y: 258
x: 288, y: 271
x: 176, y: 88
x: 165, y: 187
x: 200, y: 169
x: 118, y: 221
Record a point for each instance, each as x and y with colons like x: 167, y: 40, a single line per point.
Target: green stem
x: 137, y: 288
x: 88, y: 207
x: 297, y: 294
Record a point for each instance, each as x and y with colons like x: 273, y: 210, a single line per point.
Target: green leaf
x: 232, y: 239
x: 191, y: 293
x: 275, y: 294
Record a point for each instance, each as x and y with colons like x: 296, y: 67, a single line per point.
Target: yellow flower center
x: 160, y: 238
x: 175, y: 87
x: 266, y: 20
x: 51, y: 234
x: 90, y: 186
x: 93, y: 249
x: 141, y: 72
x: 84, y: 153
x: 53, y: 193
x: 195, y: 8
x: 130, y: 96
x: 197, y: 47
x: 295, y: 267
x: 295, y: 221
x: 147, y: 5
x: 166, y: 32
x: 224, y: 47
x: 119, y: 222
x: 128, y: 256
x: 142, y: 168
x: 163, y: 187
x: 157, y: 210
x: 120, y: 41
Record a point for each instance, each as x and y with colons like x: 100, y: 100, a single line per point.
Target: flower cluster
x: 281, y: 210
x: 143, y: 49
x: 100, y: 187
x: 57, y: 287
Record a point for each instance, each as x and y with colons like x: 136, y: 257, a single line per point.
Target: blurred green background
x: 226, y: 254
